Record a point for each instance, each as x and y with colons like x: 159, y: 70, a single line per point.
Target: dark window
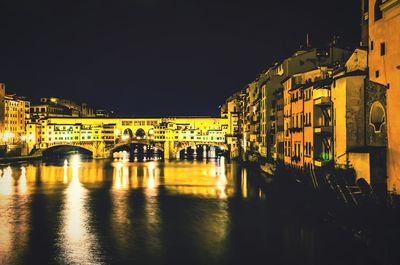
x: 372, y: 45
x: 377, y: 73
x: 377, y: 10
x: 383, y: 48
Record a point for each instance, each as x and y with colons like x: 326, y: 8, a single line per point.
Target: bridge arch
x: 65, y: 149
x: 200, y: 149
x: 127, y: 134
x: 183, y: 145
x: 137, y: 144
x: 140, y: 133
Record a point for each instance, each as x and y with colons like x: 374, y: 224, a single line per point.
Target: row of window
x: 77, y: 138
x: 139, y: 123
x: 7, y: 121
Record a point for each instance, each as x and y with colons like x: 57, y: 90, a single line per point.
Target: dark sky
x: 157, y: 57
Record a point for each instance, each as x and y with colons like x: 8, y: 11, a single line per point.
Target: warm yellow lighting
x: 22, y: 181
x: 244, y: 183
x: 75, y: 161
x: 121, y: 175
x: 78, y: 244
x: 7, y: 136
x: 6, y: 181
x: 65, y: 171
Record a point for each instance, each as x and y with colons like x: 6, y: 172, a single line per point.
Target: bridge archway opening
x: 201, y: 151
x: 140, y: 133
x: 150, y: 133
x: 137, y: 152
x: 127, y: 134
x: 61, y: 151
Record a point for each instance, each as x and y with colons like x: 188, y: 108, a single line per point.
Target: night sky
x: 157, y: 57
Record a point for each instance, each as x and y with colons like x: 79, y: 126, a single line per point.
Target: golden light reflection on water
x: 6, y: 181
x: 244, y: 183
x: 119, y: 198
x: 152, y: 215
x: 5, y: 231
x: 14, y: 213
x: 22, y: 185
x: 136, y: 191
x: 200, y: 179
x: 78, y: 244
x: 121, y: 176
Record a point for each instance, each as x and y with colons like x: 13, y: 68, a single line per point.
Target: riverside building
x: 383, y: 18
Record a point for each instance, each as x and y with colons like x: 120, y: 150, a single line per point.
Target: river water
x: 184, y: 212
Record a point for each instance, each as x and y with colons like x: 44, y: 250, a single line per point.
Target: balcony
x: 323, y: 130
x: 322, y: 97
x: 322, y: 101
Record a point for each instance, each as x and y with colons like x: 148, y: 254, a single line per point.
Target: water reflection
x: 121, y: 175
x: 152, y: 223
x: 78, y: 244
x: 22, y: 181
x: 6, y: 181
x: 122, y: 212
x: 14, y: 213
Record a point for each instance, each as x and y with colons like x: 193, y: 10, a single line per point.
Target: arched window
x: 377, y: 116
x: 377, y: 10
x: 140, y: 133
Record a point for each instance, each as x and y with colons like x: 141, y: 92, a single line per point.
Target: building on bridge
x: 102, y: 135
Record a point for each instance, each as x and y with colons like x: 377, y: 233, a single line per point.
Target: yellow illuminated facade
x: 315, y: 116
x: 383, y: 17
x: 16, y: 113
x: 100, y: 135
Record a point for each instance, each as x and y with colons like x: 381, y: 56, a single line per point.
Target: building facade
x: 15, y: 118
x: 325, y: 113
x: 100, y: 135
x: 384, y: 69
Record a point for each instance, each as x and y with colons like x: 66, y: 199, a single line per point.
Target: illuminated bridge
x: 103, y: 136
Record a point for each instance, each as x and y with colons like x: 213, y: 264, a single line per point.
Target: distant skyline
x: 158, y: 57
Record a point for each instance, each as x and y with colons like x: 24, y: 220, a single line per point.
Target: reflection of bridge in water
x: 141, y: 150
x: 172, y: 138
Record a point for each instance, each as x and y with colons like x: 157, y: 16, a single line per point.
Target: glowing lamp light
x: 7, y: 136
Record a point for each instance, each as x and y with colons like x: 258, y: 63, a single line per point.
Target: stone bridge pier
x: 172, y: 148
